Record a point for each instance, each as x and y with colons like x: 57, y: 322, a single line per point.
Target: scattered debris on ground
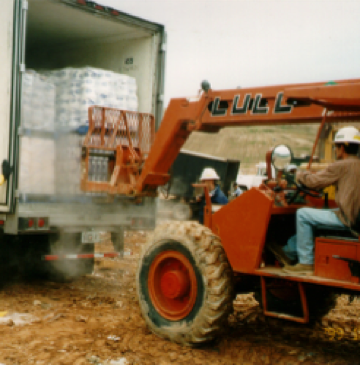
x: 96, y: 320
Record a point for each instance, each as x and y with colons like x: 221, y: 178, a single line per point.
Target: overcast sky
x: 246, y: 43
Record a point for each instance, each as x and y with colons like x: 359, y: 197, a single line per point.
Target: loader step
x: 311, y: 279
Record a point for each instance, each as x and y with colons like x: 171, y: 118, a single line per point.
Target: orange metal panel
x: 242, y: 225
x: 156, y: 179
x: 328, y: 267
x: 268, y: 105
x: 170, y: 137
x: 335, y: 97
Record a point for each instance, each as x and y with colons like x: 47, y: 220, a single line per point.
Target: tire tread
x: 211, y: 260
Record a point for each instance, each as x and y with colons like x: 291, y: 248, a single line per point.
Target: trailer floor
x: 96, y: 319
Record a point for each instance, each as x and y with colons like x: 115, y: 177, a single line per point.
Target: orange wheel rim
x: 172, y: 285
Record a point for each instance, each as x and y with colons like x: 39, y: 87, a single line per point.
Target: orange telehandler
x: 189, y: 273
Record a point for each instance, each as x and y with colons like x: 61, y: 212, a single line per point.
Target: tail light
x: 42, y: 223
x: 33, y: 224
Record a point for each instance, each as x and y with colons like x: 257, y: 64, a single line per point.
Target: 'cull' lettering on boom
x: 248, y: 104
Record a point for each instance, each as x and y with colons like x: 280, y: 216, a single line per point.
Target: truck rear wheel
x: 184, y: 283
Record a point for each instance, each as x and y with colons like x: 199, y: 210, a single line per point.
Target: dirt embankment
x: 96, y: 320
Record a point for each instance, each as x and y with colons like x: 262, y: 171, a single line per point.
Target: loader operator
x: 210, y: 177
x: 345, y: 175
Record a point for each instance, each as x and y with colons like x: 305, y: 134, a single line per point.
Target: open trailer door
x: 12, y: 38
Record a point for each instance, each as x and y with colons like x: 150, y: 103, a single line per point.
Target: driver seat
x: 331, y: 232
x: 336, y: 233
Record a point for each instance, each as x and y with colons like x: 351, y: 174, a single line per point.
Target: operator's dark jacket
x: 217, y: 197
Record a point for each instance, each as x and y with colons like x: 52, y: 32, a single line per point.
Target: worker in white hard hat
x: 210, y: 177
x: 345, y: 175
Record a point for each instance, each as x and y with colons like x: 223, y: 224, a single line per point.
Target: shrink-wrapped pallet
x: 58, y: 101
x: 78, y: 89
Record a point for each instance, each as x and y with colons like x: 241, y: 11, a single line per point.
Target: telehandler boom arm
x: 213, y: 110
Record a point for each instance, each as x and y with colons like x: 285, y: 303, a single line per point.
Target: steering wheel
x: 303, y: 189
x: 312, y: 192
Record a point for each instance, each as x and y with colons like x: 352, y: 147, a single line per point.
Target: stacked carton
x: 78, y: 89
x: 38, y: 102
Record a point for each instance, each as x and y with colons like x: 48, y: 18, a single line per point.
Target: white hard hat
x: 347, y: 135
x: 209, y: 174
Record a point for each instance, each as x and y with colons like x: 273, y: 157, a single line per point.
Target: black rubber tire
x: 214, y: 281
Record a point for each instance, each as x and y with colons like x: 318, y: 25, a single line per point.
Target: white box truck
x: 47, y: 35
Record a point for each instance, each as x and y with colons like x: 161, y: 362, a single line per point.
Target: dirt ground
x: 96, y: 320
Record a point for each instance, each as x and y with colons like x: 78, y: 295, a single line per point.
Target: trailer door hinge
x: 161, y: 98
x: 22, y: 67
x: 163, y: 47
x: 24, y: 5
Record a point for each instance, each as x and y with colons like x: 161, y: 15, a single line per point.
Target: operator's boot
x: 300, y: 269
x: 279, y: 253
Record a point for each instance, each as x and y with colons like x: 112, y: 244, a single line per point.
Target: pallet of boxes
x: 54, y: 116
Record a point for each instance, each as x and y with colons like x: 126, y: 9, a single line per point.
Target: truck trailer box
x: 47, y: 37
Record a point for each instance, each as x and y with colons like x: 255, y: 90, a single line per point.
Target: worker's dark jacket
x: 217, y: 197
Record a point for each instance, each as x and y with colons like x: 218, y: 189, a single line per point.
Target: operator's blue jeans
x: 301, y: 245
